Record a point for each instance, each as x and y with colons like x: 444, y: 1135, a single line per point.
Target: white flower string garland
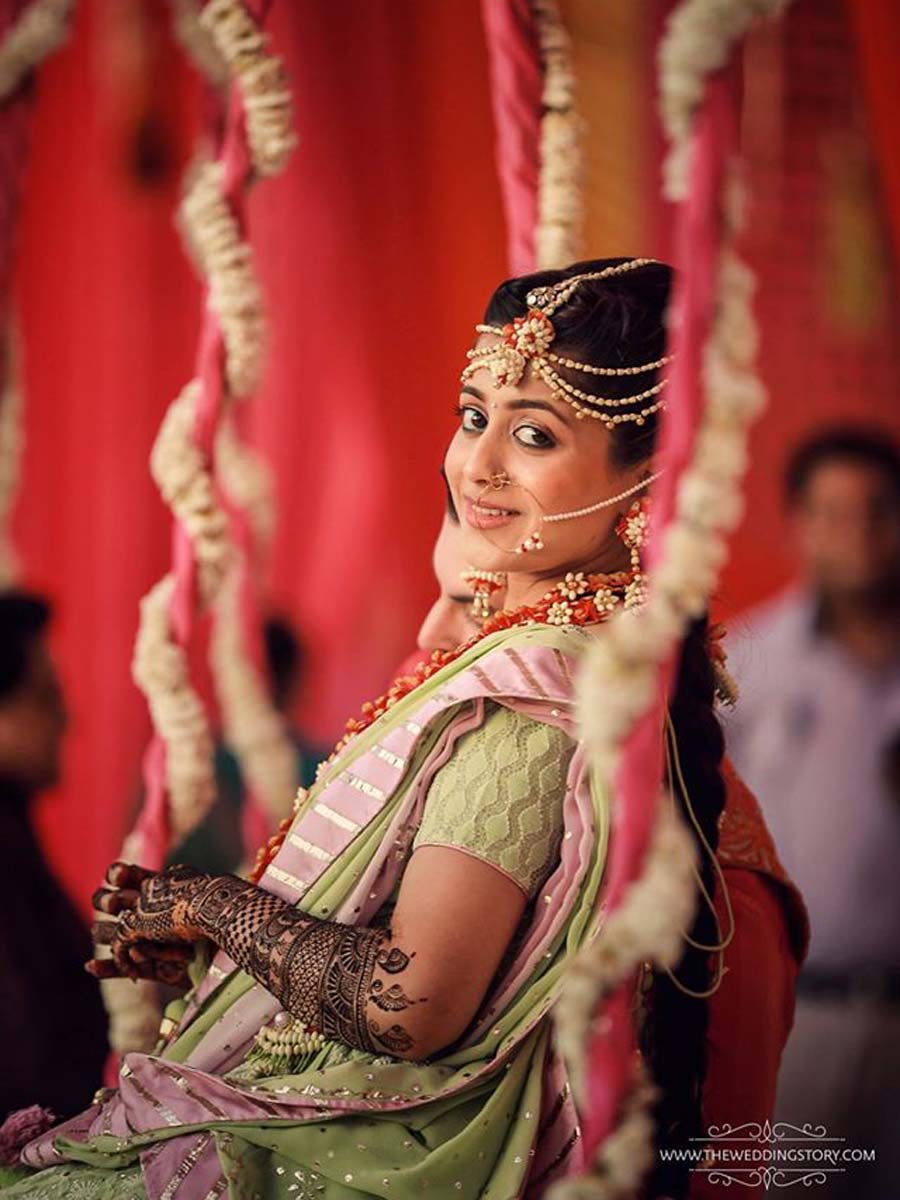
x: 618, y: 678
x: 198, y: 42
x: 558, y: 236
x: 37, y: 32
x: 182, y: 465
x: 11, y: 440
x: 699, y: 39
x: 253, y: 726
x: 251, y: 723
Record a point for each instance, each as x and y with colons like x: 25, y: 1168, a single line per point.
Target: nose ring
x: 499, y: 480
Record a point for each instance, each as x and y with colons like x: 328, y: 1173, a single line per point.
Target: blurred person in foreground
x: 816, y: 733
x: 750, y: 1013
x: 52, y: 1022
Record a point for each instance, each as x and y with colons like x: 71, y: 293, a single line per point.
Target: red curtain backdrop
x: 377, y: 251
x: 108, y: 312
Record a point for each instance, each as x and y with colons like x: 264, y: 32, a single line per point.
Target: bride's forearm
x: 330, y: 976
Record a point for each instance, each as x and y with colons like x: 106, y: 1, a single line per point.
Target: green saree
x: 491, y: 1116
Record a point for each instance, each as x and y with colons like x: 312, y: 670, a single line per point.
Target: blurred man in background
x: 52, y: 1021
x: 217, y: 844
x: 816, y: 734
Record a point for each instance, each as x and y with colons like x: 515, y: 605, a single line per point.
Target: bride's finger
x: 122, y: 900
x: 114, y: 900
x: 103, y: 932
x: 171, y: 973
x: 177, y: 952
x: 103, y: 968
x: 127, y: 875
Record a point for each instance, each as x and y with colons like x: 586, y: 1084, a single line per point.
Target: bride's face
x: 556, y: 463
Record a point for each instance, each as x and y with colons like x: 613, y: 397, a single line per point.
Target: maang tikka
x: 526, y: 342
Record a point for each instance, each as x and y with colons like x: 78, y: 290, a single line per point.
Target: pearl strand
x: 592, y: 508
x: 549, y: 299
x: 574, y: 365
x: 557, y: 384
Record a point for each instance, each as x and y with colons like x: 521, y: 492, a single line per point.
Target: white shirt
x: 809, y: 734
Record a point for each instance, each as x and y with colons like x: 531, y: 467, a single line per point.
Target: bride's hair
x: 621, y: 322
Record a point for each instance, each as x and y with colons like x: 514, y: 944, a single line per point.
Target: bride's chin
x: 485, y: 558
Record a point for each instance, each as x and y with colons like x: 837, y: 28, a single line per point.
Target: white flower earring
x: 483, y: 584
x: 633, y: 530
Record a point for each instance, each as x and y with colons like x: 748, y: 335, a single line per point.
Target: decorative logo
x: 771, y: 1155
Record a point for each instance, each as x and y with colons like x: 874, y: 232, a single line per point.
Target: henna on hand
x: 153, y: 936
x: 320, y: 971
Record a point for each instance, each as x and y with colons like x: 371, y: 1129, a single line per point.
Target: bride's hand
x: 153, y: 934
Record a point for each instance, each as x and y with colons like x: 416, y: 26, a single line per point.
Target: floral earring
x: 632, y: 530
x: 483, y: 584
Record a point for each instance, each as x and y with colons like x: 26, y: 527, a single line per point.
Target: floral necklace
x: 579, y: 600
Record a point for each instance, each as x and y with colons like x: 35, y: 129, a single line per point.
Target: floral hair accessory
x: 526, y: 341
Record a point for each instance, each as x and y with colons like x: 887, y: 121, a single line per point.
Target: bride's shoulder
x: 571, y: 639
x: 541, y: 647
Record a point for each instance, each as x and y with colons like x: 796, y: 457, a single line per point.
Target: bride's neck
x: 528, y: 587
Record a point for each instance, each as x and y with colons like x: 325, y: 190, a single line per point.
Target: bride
x: 370, y: 1016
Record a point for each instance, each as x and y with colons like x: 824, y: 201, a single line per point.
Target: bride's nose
x: 485, y: 463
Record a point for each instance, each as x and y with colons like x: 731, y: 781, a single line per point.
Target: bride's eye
x: 534, y: 438
x: 471, y: 419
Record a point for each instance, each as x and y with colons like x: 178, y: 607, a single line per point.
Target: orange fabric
x: 751, y: 1014
x: 745, y: 843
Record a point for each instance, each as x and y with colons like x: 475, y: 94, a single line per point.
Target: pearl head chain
x: 527, y: 340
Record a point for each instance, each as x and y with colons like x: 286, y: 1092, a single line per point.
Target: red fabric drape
x: 377, y: 250
x: 517, y: 85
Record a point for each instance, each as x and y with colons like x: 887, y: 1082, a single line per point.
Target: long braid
x: 673, y: 1037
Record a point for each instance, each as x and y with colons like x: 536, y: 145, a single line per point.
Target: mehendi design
x: 321, y: 971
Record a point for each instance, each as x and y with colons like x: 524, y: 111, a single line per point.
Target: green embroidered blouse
x: 500, y: 797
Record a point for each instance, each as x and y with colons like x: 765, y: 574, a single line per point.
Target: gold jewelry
x: 675, y: 773
x: 526, y: 341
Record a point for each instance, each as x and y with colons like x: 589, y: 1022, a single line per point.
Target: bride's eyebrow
x: 469, y: 390
x: 539, y: 404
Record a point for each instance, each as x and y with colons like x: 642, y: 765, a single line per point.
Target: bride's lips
x: 488, y: 516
